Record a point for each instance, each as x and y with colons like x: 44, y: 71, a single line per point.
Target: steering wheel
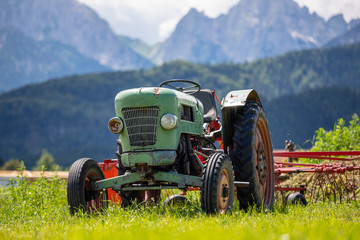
x: 192, y: 89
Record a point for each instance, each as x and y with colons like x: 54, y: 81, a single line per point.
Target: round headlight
x: 168, y: 121
x: 115, y: 125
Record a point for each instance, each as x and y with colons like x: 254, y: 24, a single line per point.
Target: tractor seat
x: 206, y: 97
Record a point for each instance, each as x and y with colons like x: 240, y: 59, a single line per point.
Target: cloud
x: 327, y: 8
x: 167, y: 27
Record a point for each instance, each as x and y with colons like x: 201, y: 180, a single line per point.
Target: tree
x: 12, y: 164
x: 46, y: 162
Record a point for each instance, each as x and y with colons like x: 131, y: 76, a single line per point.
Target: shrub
x: 341, y: 138
x: 43, y: 199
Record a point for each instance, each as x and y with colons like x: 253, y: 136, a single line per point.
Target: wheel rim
x: 93, y: 199
x: 223, y: 191
x: 263, y: 162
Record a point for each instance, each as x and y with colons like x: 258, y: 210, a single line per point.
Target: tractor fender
x: 233, y: 101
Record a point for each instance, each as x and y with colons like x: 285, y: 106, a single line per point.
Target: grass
x: 39, y: 211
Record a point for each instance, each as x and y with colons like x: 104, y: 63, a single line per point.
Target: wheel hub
x: 261, y: 160
x: 225, y: 191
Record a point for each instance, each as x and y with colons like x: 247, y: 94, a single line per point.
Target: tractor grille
x: 141, y: 124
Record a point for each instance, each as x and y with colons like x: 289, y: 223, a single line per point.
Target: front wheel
x: 81, y: 197
x: 217, y: 190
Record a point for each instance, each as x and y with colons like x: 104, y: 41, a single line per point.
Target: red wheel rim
x: 264, y: 162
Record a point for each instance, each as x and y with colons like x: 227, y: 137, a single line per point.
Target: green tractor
x: 179, y: 136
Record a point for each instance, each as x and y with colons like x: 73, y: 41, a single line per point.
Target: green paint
x: 155, y: 179
x: 157, y: 158
x: 168, y: 101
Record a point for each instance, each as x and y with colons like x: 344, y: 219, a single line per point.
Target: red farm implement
x: 322, y: 176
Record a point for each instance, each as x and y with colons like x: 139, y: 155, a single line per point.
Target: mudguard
x: 233, y: 101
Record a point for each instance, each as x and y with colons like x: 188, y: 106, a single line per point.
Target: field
x: 39, y: 211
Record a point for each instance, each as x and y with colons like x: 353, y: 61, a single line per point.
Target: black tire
x: 130, y: 197
x: 252, y: 157
x: 80, y: 196
x: 217, y: 189
x: 296, y: 198
x: 175, y: 199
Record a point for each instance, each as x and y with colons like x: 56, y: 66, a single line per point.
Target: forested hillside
x: 296, y: 117
x: 69, y: 116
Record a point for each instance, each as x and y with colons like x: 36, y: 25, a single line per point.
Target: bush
x: 46, y: 162
x: 43, y: 199
x: 341, y: 138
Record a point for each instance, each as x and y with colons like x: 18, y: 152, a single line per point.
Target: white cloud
x: 327, y: 8
x: 167, y: 27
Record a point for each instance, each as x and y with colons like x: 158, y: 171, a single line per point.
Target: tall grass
x: 39, y: 211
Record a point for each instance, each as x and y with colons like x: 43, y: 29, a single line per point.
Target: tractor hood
x: 141, y: 111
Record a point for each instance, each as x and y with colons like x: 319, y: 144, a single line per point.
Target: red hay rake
x: 336, y: 179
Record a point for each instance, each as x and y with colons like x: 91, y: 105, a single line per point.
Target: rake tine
x: 346, y: 188
x: 312, y: 192
x: 336, y: 186
x: 352, y: 185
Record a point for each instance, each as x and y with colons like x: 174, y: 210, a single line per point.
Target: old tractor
x: 179, y: 136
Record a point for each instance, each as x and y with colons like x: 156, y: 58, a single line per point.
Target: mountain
x: 350, y: 37
x: 138, y: 46
x: 24, y: 60
x: 71, y: 23
x: 68, y: 116
x: 250, y: 30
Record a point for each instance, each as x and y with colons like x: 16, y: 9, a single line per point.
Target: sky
x: 153, y: 21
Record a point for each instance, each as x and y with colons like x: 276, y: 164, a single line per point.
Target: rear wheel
x: 252, y: 158
x: 81, y: 197
x: 217, y: 190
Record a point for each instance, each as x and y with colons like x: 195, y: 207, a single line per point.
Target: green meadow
x: 39, y: 211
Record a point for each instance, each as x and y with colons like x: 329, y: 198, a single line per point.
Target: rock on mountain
x: 350, y: 37
x: 24, y: 60
x: 73, y: 24
x: 252, y: 29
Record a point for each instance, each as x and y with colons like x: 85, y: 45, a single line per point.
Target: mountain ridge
x: 352, y: 36
x: 73, y: 24
x: 37, y: 61
x: 250, y: 30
